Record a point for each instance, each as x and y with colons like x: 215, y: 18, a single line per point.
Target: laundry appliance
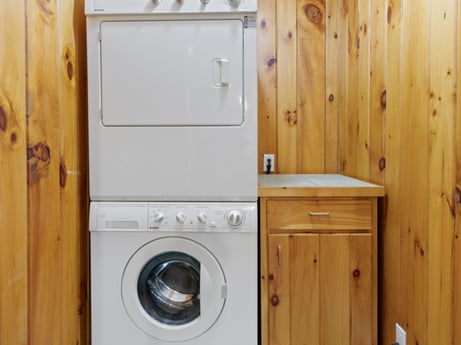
x: 172, y: 94
x: 174, y: 273
x: 172, y: 97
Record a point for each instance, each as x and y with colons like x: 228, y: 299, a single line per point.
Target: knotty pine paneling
x: 45, y: 223
x: 73, y: 178
x: 390, y: 114
x: 457, y: 194
x: 442, y: 163
x: 267, y: 79
x: 391, y: 212
x: 310, y: 113
x: 13, y: 186
x: 43, y: 188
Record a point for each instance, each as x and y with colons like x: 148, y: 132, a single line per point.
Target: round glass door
x: 169, y: 288
x: 173, y: 289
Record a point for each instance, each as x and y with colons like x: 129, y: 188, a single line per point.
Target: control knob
x: 158, y: 217
x: 180, y: 217
x: 234, y: 3
x: 204, y: 2
x: 235, y: 218
x: 202, y: 217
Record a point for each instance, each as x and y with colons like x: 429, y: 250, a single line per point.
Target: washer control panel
x: 198, y: 216
x: 167, y: 216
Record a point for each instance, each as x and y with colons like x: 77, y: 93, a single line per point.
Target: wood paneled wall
x: 368, y: 88
x: 13, y: 172
x: 43, y: 160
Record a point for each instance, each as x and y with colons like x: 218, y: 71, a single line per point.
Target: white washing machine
x: 172, y: 97
x: 182, y: 273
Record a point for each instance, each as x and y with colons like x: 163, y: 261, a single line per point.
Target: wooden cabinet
x: 318, y: 268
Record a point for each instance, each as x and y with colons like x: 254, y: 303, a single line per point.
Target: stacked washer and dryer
x: 173, y: 171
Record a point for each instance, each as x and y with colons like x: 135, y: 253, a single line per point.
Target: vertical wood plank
x: 361, y: 278
x: 332, y: 58
x: 304, y: 282
x: 457, y: 238
x: 267, y: 79
x: 378, y: 68
x: 414, y: 179
x: 279, y: 290
x: 352, y: 125
x: 13, y: 187
x: 363, y: 119
x: 334, y: 290
x: 442, y: 109
x: 343, y: 53
x: 45, y: 289
x: 264, y: 271
x: 389, y: 235
x: 72, y: 96
x: 287, y: 140
x: 311, y: 86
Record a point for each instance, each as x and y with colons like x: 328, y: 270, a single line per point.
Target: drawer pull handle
x: 319, y: 214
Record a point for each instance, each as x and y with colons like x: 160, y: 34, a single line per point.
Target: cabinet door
x: 320, y: 289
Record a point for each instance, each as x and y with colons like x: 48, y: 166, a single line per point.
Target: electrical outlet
x: 400, y: 335
x: 266, y: 159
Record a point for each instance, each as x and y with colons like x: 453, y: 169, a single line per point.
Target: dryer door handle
x: 221, y: 75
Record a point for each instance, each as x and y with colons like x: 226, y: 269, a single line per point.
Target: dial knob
x: 235, y: 218
x: 180, y: 1
x: 234, y: 3
x: 156, y: 2
x: 158, y: 217
x: 202, y: 217
x: 180, y: 217
x: 204, y: 2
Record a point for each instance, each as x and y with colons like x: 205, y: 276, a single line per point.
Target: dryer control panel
x: 186, y: 217
x: 123, y: 7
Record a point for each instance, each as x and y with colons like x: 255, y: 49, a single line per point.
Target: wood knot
x: 383, y: 99
x: 62, y: 174
x: 3, y: 120
x: 275, y: 300
x: 272, y: 60
x: 38, y: 160
x: 331, y: 98
x: 313, y: 14
x: 68, y: 59
x: 70, y: 70
x: 291, y: 118
x: 356, y: 274
x: 13, y: 138
x: 389, y: 14
x: 271, y: 277
x: 382, y: 164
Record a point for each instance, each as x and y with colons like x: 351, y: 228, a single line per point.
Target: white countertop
x: 315, y: 185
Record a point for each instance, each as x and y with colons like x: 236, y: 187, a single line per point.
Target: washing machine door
x: 173, y: 289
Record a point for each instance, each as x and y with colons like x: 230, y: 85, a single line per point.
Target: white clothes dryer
x: 172, y: 100
x: 182, y: 273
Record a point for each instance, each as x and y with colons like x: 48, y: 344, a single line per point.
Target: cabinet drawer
x: 302, y: 215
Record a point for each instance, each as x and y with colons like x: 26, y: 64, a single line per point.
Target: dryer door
x: 173, y: 289
x: 172, y: 73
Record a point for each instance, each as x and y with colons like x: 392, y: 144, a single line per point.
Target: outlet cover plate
x: 268, y: 156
